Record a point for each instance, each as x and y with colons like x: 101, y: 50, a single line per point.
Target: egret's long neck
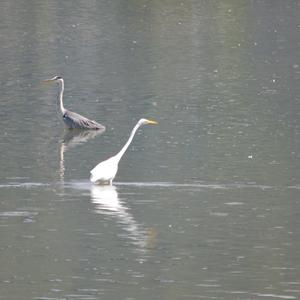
x: 61, y: 93
x: 121, y: 153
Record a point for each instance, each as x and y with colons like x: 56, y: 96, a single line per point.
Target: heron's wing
x: 74, y: 120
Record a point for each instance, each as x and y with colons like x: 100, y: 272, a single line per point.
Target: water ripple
x: 23, y: 185
x: 272, y: 296
x: 18, y: 214
x: 86, y: 185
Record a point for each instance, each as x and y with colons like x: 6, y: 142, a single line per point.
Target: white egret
x: 105, y: 172
x: 71, y: 119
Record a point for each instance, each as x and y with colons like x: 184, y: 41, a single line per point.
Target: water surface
x: 205, y: 205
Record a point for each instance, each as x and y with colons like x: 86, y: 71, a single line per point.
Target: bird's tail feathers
x: 93, y: 178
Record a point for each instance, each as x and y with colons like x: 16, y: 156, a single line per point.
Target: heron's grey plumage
x: 71, y: 119
x: 77, y: 121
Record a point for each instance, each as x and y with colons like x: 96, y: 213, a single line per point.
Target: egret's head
x: 54, y: 79
x: 147, y: 122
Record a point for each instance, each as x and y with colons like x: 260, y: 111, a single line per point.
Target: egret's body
x: 105, y: 172
x: 71, y: 119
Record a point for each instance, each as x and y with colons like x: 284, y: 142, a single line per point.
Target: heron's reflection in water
x: 71, y: 139
x: 107, y: 202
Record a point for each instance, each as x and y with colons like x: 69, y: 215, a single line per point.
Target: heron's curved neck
x: 122, y: 151
x: 61, y: 93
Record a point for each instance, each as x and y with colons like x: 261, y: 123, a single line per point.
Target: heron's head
x: 147, y: 122
x: 54, y: 79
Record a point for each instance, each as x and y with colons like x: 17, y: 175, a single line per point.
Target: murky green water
x: 205, y: 205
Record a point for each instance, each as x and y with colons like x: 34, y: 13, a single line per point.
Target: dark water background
x: 205, y: 205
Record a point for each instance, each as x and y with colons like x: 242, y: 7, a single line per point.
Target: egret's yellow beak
x: 151, y: 122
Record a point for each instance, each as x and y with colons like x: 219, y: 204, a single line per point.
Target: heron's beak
x: 151, y: 122
x: 47, y: 81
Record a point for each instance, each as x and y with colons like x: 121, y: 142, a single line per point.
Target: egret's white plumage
x: 105, y: 172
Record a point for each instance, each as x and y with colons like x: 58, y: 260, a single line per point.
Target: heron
x: 71, y: 119
x: 105, y: 171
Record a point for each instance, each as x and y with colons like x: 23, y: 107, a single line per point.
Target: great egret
x: 72, y: 119
x: 105, y: 172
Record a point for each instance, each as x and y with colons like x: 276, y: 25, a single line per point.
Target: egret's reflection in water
x: 71, y: 139
x: 107, y: 201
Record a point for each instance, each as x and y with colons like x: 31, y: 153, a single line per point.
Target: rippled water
x: 205, y: 205
x: 198, y: 240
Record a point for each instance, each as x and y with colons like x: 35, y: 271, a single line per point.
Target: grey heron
x: 71, y: 119
x: 105, y: 171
